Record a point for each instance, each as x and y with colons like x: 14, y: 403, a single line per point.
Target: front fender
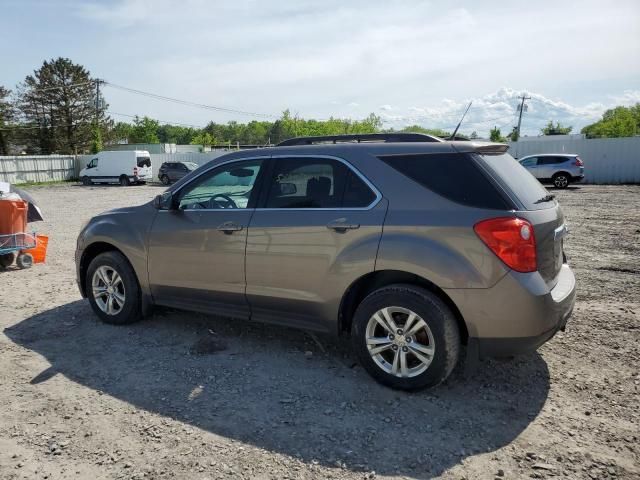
x: 126, y: 230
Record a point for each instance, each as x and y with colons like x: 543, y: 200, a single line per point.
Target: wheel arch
x: 366, y: 284
x: 91, y: 252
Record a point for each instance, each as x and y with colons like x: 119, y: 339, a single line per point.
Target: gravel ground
x: 188, y: 396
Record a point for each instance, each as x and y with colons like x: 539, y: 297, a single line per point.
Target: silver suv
x: 560, y: 169
x: 414, y: 246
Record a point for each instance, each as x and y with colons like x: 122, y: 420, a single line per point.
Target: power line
x: 188, y: 103
x: 157, y: 120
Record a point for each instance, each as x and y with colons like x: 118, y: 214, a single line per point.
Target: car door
x: 316, y: 230
x: 548, y: 165
x: 531, y: 164
x: 197, y: 248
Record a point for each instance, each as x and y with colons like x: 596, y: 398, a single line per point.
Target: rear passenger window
x: 551, y: 160
x: 307, y: 182
x: 452, y: 175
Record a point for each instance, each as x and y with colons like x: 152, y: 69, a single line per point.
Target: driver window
x: 229, y: 186
x: 93, y: 163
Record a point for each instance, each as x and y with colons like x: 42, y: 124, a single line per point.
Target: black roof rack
x: 358, y: 138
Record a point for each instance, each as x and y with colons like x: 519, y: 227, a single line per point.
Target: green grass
x: 43, y: 184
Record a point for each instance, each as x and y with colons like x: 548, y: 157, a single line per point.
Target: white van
x: 123, y: 167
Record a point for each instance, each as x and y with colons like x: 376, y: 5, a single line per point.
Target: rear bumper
x: 577, y: 178
x: 518, y: 314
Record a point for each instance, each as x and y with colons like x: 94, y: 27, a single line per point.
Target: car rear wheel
x: 165, y: 180
x: 113, y: 290
x: 561, y: 180
x: 406, y: 337
x: 124, y: 181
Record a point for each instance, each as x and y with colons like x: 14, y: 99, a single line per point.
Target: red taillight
x: 135, y: 171
x: 512, y: 240
x: 578, y: 162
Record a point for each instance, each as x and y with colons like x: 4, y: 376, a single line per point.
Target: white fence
x: 37, y: 168
x: 606, y: 160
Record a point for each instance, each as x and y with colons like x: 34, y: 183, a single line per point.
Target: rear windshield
x: 144, y: 162
x: 519, y: 180
x: 454, y: 176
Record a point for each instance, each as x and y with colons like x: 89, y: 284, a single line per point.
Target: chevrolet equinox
x: 412, y: 245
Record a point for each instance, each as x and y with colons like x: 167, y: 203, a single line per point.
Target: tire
x: 165, y: 180
x: 24, y: 260
x: 7, y: 260
x: 86, y: 181
x: 442, y: 336
x: 126, y: 306
x: 124, y: 181
x: 560, y: 180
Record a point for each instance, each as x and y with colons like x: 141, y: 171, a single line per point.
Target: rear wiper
x: 546, y: 198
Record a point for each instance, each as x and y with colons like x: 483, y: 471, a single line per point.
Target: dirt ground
x: 188, y: 396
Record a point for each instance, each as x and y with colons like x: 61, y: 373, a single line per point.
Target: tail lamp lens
x: 512, y: 240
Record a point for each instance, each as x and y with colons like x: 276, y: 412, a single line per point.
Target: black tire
x: 131, y: 311
x: 7, y: 260
x: 561, y: 180
x: 124, y: 181
x: 86, y: 181
x: 24, y: 260
x: 437, y: 316
x: 165, y: 180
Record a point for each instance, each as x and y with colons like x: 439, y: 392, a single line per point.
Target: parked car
x: 171, y: 171
x: 414, y: 246
x: 123, y: 167
x: 560, y: 169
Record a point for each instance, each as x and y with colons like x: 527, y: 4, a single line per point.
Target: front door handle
x: 342, y: 226
x: 229, y: 227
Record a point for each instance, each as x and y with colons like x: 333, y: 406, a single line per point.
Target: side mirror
x: 163, y: 201
x: 288, y: 188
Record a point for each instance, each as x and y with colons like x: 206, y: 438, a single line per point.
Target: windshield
x: 519, y: 180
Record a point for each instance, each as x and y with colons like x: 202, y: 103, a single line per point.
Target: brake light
x: 512, y: 240
x: 578, y: 162
x: 135, y: 171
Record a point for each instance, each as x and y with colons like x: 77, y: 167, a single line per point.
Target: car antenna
x: 453, y: 135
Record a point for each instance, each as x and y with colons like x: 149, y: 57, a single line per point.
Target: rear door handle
x: 229, y: 227
x: 342, y: 226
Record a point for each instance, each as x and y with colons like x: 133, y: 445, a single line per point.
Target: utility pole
x: 98, y: 81
x: 521, y: 108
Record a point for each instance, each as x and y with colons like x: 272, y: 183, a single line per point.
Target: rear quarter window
x: 517, y: 179
x: 454, y: 176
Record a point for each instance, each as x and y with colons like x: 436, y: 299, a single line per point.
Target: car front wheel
x: 113, y: 290
x: 406, y: 337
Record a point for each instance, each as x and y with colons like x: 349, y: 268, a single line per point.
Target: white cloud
x: 386, y: 107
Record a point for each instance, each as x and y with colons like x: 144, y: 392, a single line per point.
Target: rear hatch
x: 536, y: 205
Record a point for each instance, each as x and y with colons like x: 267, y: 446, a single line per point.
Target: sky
x: 408, y: 61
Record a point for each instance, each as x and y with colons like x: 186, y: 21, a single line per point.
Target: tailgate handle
x: 341, y: 225
x: 229, y: 227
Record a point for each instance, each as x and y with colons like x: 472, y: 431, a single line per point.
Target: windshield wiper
x: 546, y: 198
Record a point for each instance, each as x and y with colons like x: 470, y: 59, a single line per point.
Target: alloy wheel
x: 108, y: 290
x: 400, y: 342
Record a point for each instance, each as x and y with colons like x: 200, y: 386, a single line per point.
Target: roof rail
x: 358, y: 138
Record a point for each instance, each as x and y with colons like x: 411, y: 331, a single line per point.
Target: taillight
x: 578, y: 162
x: 135, y: 171
x: 512, y: 240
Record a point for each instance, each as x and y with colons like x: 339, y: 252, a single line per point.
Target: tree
x: 496, y: 136
x: 436, y: 132
x: 616, y: 122
x: 556, y: 129
x: 473, y: 135
x: 144, y: 130
x: 59, y: 102
x: 203, y: 138
x: 514, y: 135
x: 7, y: 115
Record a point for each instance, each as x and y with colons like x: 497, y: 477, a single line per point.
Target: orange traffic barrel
x: 13, y: 216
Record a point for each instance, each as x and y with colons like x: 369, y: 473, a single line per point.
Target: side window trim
x: 271, y: 165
